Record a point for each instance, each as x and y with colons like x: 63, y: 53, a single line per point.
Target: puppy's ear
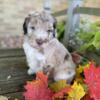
x: 76, y: 58
x: 25, y: 24
x: 55, y: 23
x: 54, y: 26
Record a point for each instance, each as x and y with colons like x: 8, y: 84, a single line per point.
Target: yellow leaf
x: 80, y: 69
x: 77, y: 92
x: 57, y: 86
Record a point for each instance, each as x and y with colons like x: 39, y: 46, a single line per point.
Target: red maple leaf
x: 38, y: 89
x: 62, y: 93
x: 92, y: 79
x: 87, y: 97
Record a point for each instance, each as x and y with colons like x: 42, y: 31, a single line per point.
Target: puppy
x: 39, y: 28
x: 59, y: 64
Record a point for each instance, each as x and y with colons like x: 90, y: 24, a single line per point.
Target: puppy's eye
x: 33, y: 28
x: 49, y: 31
x: 66, y: 57
x: 69, y: 72
x: 48, y: 66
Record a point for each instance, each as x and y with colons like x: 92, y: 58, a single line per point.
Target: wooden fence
x: 80, y: 10
x: 70, y: 28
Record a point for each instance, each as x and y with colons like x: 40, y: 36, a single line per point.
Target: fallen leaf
x: 77, y: 92
x: 59, y: 85
x: 92, y: 79
x: 79, y: 77
x: 62, y: 94
x: 87, y: 97
x: 80, y: 69
x: 38, y: 89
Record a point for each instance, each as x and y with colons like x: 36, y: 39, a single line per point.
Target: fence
x: 72, y: 21
x: 73, y: 15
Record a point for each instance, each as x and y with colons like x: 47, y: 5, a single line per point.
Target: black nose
x: 39, y: 41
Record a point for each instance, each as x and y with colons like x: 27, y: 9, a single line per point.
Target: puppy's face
x: 39, y: 28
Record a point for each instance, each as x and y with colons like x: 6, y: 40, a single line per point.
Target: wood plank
x: 88, y: 10
x: 12, y: 66
x: 81, y: 10
x: 16, y: 85
x: 60, y: 13
x: 11, y: 52
x: 16, y: 95
x: 13, y: 74
x: 12, y: 61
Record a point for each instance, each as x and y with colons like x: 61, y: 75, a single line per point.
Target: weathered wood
x: 11, y: 52
x: 81, y: 10
x: 15, y: 96
x: 13, y: 72
x: 60, y: 13
x: 13, y: 85
x: 88, y: 10
x: 12, y: 61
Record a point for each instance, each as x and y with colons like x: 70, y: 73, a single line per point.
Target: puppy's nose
x: 39, y: 41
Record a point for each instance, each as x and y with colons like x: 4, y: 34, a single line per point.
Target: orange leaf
x: 62, y: 93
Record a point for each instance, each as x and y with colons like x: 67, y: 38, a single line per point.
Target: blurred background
x: 13, y: 12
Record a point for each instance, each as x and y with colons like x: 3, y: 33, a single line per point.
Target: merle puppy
x: 39, y: 28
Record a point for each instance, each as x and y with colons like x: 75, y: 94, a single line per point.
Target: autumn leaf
x: 61, y: 88
x: 62, y: 94
x: 42, y: 77
x: 76, y: 93
x: 59, y: 85
x: 80, y: 69
x: 87, y: 97
x: 80, y: 72
x: 92, y: 79
x: 38, y: 89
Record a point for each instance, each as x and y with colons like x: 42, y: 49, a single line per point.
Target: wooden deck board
x: 13, y: 73
x: 15, y: 96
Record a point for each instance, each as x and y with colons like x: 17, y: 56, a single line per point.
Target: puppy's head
x: 39, y: 27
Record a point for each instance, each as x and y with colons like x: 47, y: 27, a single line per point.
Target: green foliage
x: 90, y: 39
x: 96, y: 41
x: 60, y: 30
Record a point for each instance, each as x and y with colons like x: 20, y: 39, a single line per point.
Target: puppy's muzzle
x: 41, y: 41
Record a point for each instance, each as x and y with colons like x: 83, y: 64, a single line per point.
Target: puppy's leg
x: 31, y: 58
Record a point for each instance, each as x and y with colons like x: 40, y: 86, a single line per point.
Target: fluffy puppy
x: 59, y: 64
x: 39, y: 28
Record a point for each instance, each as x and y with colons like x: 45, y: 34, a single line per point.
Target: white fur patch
x: 34, y: 58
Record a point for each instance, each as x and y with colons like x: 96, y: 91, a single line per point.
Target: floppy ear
x: 54, y: 26
x: 55, y: 23
x: 25, y: 24
x: 76, y: 58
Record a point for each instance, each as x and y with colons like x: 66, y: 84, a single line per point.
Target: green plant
x: 60, y: 30
x: 91, y: 40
